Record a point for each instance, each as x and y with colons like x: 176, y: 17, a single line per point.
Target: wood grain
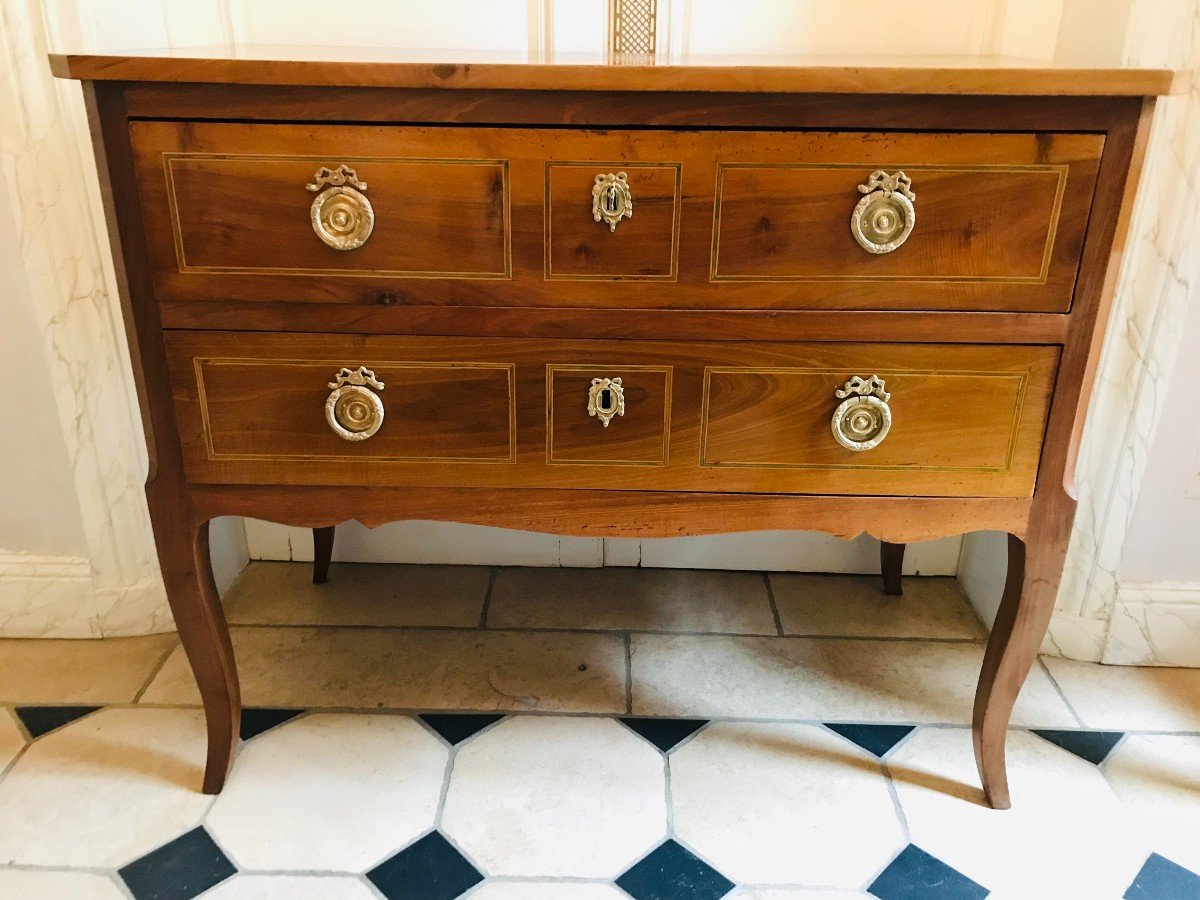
x: 631, y: 514
x: 617, y: 109
x: 1036, y: 562
x: 1001, y: 217
x: 391, y: 67
x: 239, y: 214
x: 180, y: 536
x: 378, y: 314
x: 743, y: 417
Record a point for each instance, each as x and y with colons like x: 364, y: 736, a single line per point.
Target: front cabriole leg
x: 1030, y: 590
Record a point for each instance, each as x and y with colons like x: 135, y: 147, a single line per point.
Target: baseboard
x: 46, y: 596
x: 1155, y: 624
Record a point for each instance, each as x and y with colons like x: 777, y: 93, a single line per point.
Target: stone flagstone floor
x: 512, y: 734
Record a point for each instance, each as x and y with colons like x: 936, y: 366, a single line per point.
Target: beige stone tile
x: 111, y: 670
x: 469, y: 670
x: 281, y: 593
x: 330, y: 792
x: 34, y: 885
x: 1157, y: 777
x: 544, y: 890
x: 1065, y: 835
x: 814, y: 678
x: 1129, y: 697
x: 550, y: 795
x: 12, y: 739
x: 783, y: 804
x: 104, y: 790
x: 855, y: 606
x: 291, y: 887
x: 623, y: 599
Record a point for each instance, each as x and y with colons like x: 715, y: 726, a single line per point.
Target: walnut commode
x: 616, y: 300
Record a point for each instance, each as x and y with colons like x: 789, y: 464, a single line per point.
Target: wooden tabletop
x: 345, y: 67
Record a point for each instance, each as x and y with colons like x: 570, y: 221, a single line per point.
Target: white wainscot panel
x: 443, y: 542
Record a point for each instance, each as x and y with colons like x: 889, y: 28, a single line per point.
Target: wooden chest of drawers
x: 616, y: 300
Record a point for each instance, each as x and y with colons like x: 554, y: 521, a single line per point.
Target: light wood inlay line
x: 672, y: 274
x: 201, y: 363
x: 836, y: 379
x: 599, y: 370
x: 853, y: 197
x: 171, y: 159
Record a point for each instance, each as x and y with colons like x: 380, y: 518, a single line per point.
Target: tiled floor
x: 430, y: 733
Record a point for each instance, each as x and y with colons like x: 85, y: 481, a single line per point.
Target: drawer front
x: 965, y: 420
x: 238, y: 215
x: 684, y: 219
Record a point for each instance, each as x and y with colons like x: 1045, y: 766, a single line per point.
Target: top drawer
x: 502, y: 216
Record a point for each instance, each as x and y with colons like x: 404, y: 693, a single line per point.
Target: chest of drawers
x: 616, y: 300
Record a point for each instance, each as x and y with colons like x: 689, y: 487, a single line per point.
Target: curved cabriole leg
x: 187, y: 573
x: 891, y: 564
x: 322, y: 553
x: 1030, y: 589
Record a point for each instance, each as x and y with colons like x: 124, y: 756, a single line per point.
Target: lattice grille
x: 634, y: 26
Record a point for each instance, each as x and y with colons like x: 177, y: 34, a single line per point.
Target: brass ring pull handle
x: 611, y: 199
x: 606, y: 399
x: 353, y: 410
x: 863, y: 418
x: 885, y: 217
x: 342, y: 216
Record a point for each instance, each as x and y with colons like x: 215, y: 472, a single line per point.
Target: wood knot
x: 385, y: 298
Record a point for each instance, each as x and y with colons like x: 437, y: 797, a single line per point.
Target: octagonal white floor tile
x: 291, y: 887
x: 783, y: 804
x: 1065, y: 836
x: 546, y: 890
x: 549, y: 795
x: 34, y: 885
x: 11, y: 738
x: 1157, y: 777
x: 330, y: 792
x: 104, y: 790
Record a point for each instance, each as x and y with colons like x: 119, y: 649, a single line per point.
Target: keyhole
x: 606, y: 402
x: 610, y: 200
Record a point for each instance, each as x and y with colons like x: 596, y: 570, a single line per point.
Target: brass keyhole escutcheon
x: 606, y: 399
x: 611, y: 199
x: 354, y: 411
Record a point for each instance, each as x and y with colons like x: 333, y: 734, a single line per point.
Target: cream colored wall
x: 85, y: 351
x: 38, y: 513
x: 1114, y: 604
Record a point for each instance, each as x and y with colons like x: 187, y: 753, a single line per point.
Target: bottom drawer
x: 822, y: 418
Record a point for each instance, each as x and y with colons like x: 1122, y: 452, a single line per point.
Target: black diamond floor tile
x: 1094, y: 746
x: 672, y: 872
x: 185, y: 868
x: 1161, y: 879
x: 256, y: 720
x: 875, y: 739
x: 457, y: 727
x: 915, y: 875
x: 430, y: 869
x: 39, y: 720
x: 665, y: 734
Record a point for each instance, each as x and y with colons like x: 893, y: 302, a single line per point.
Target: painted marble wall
x: 1115, y: 604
